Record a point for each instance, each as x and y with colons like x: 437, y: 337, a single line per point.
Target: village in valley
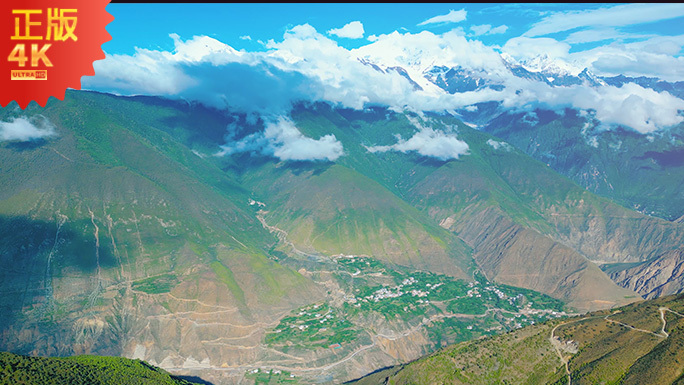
x: 448, y: 310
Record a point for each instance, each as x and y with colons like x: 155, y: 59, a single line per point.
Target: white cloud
x: 654, y: 57
x: 613, y: 16
x: 629, y: 64
x: 631, y: 105
x: 283, y: 140
x: 289, y: 144
x: 343, y: 78
x: 523, y: 48
x: 499, y: 145
x: 305, y: 65
x: 208, y: 71
x: 24, y: 129
x: 498, y: 30
x: 159, y: 72
x: 451, y: 17
x: 308, y: 66
x: 418, y: 52
x: 480, y: 29
x: 353, y: 30
x: 246, y: 37
x: 203, y: 48
x: 486, y: 29
x: 657, y: 56
x: 145, y: 72
x: 427, y: 142
x: 599, y: 34
x: 661, y: 45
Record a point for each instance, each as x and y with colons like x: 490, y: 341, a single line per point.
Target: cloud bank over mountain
x: 395, y: 70
x: 429, y: 142
x: 283, y: 140
x: 22, y: 129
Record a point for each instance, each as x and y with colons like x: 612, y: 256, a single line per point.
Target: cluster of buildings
x: 271, y: 371
x: 392, y: 292
x: 302, y: 324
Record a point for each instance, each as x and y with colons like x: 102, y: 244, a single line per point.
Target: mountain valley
x: 132, y: 231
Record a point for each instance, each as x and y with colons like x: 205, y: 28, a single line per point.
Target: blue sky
x: 148, y: 25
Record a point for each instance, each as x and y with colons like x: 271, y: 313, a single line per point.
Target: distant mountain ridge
x: 554, y: 72
x: 674, y: 88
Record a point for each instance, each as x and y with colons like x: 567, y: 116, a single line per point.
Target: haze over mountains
x: 326, y: 212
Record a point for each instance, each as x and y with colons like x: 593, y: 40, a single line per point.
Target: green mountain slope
x: 488, y: 186
x: 630, y: 345
x: 507, y: 189
x: 16, y: 369
x: 643, y: 172
x: 124, y: 234
x: 127, y: 229
x: 335, y: 210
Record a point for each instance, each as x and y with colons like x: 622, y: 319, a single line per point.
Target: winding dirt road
x: 556, y: 342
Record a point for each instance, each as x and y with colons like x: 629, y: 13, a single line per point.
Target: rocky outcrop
x: 662, y: 276
x: 603, y: 231
x: 513, y: 255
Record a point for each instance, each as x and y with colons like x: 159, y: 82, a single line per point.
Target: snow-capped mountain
x: 459, y: 79
x: 546, y: 65
x: 410, y: 63
x: 556, y: 72
x: 427, y: 72
x: 401, y: 71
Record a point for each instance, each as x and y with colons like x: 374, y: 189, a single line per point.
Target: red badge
x: 47, y: 45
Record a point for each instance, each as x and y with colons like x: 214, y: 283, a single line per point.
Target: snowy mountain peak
x: 508, y: 59
x: 592, y: 79
x: 411, y: 69
x: 201, y: 47
x: 549, y: 66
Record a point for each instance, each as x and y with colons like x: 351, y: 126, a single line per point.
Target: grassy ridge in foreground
x: 629, y: 345
x: 92, y: 370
